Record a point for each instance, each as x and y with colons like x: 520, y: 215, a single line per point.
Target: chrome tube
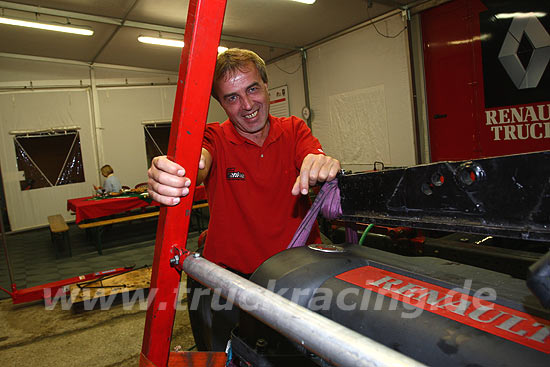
x: 327, y: 339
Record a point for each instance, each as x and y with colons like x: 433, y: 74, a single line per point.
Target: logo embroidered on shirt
x: 232, y: 174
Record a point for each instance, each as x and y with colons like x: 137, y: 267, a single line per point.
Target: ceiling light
x: 520, y: 15
x: 68, y: 28
x: 309, y: 2
x: 169, y: 42
x: 161, y: 41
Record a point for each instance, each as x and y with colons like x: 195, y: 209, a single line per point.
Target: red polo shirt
x: 253, y: 214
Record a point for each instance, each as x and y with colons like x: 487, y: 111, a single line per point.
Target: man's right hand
x: 167, y: 181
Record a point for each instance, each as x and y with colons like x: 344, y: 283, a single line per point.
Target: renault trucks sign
x: 516, y: 72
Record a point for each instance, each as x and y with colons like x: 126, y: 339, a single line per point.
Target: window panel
x: 156, y: 139
x: 49, y: 158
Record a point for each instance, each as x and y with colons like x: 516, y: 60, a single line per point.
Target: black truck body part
x: 470, y: 330
x: 505, y: 196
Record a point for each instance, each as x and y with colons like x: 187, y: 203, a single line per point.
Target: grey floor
x: 33, y: 260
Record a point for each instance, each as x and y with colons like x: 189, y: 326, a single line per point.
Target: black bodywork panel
x: 504, y: 196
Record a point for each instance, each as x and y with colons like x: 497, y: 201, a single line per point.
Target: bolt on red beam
x: 198, y: 59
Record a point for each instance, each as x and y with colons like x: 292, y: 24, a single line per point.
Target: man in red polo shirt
x: 256, y: 168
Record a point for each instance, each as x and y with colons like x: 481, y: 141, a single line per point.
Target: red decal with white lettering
x: 278, y: 100
x: 505, y: 322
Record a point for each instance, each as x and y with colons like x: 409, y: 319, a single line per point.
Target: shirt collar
x: 275, y: 130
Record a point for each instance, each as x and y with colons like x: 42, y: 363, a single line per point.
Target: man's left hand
x: 315, y: 168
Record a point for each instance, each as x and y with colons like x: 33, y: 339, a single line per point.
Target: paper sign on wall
x: 279, y: 101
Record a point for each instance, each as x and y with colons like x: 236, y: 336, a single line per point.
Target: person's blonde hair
x: 237, y: 59
x: 106, y: 170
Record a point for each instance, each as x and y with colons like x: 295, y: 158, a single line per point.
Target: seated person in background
x: 111, y: 184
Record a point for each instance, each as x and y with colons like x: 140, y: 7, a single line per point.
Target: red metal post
x: 198, y: 59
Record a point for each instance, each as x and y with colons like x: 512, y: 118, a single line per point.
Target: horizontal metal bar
x: 84, y: 63
x: 44, y: 131
x: 260, y: 42
x: 154, y: 27
x: 425, y: 5
x: 327, y: 339
x: 391, y: 3
x: 42, y: 58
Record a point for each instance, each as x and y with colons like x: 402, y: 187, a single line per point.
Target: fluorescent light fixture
x: 169, y: 42
x: 309, y: 2
x: 520, y: 15
x: 48, y: 26
x: 161, y: 41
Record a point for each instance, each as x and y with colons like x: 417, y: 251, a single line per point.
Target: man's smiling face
x: 244, y: 97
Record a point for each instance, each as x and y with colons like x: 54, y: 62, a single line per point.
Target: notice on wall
x: 279, y: 101
x: 360, y: 118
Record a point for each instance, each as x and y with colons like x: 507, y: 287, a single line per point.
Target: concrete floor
x: 31, y: 335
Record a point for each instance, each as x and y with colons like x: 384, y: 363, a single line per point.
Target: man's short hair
x: 237, y: 59
x: 106, y: 170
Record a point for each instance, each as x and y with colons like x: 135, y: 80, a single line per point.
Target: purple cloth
x: 351, y: 235
x: 328, y: 203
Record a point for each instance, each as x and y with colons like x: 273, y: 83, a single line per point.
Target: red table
x: 84, y: 208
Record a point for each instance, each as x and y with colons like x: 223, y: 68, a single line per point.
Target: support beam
x: 198, y: 59
x: 84, y: 63
x: 306, y: 85
x: 392, y: 3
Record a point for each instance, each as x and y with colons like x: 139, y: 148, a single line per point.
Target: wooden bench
x: 97, y: 226
x: 58, y: 228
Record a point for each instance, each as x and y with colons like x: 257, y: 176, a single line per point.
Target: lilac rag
x: 328, y: 203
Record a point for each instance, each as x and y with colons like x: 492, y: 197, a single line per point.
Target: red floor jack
x: 49, y: 290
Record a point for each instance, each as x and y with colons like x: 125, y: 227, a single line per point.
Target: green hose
x: 364, y: 235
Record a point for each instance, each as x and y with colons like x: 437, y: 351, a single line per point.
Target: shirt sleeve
x: 209, y: 141
x: 306, y: 143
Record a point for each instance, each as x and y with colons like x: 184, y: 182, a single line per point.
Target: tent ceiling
x: 270, y: 27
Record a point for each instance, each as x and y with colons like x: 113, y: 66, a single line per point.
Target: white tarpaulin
x: 362, y: 111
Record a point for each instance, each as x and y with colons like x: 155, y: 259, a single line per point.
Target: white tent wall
x: 122, y: 112
x: 33, y: 110
x: 360, y: 92
x: 21, y: 72
x: 41, y: 94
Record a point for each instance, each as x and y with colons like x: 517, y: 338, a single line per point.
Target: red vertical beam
x: 198, y: 59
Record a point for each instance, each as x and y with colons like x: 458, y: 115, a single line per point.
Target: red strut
x: 198, y: 59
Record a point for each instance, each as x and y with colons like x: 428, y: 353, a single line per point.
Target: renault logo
x: 531, y: 28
